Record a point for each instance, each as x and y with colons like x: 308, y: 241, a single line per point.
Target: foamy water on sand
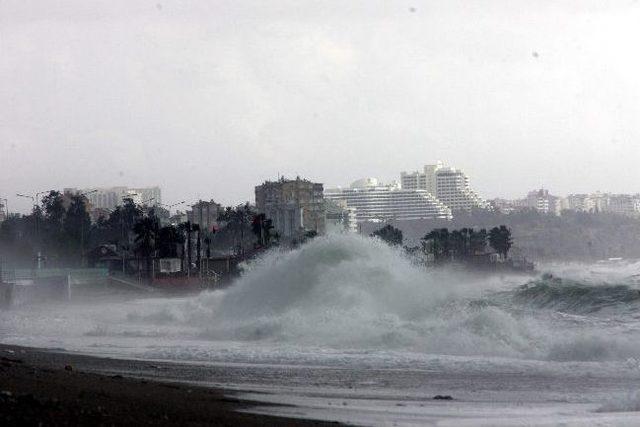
x: 349, y: 329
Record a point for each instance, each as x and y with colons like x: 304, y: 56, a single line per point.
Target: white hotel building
x: 448, y: 185
x: 372, y: 201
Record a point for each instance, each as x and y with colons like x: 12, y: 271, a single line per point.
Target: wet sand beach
x: 41, y: 387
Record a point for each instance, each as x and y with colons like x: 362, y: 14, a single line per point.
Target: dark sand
x: 40, y: 387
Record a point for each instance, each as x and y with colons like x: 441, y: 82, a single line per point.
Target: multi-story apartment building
x: 425, y: 180
x: 450, y: 186
x: 579, y: 203
x: 111, y: 197
x: 205, y: 214
x: 543, y: 202
x: 295, y: 206
x: 623, y: 204
x: 375, y: 202
x: 452, y: 189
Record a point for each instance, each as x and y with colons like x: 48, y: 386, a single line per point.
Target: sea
x: 346, y: 328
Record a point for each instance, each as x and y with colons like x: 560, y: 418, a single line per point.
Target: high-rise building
x: 452, y: 189
x: 205, y: 214
x: 541, y: 201
x: 450, y: 186
x: 375, y: 202
x: 425, y: 180
x: 295, y: 206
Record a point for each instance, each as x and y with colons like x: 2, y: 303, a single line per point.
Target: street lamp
x: 34, y: 198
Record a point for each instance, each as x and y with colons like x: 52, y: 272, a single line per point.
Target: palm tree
x: 437, y: 242
x: 478, y: 241
x: 146, y: 231
x: 207, y: 245
x: 238, y: 220
x: 458, y: 244
x: 500, y: 240
x: 389, y: 234
x: 168, y: 240
x: 262, y: 227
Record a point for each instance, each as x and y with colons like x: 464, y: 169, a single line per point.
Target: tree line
x: 60, y: 231
x: 455, y: 245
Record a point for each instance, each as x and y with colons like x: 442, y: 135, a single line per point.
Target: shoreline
x: 52, y: 387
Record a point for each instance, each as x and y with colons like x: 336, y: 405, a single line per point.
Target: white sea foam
x: 352, y: 293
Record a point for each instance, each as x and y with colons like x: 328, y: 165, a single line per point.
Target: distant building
x: 452, y: 189
x: 543, y: 202
x: 205, y: 214
x: 623, y: 204
x: 579, y: 203
x: 163, y: 215
x: 504, y: 206
x: 111, y: 197
x: 178, y: 218
x: 376, y: 202
x: 340, y: 217
x: 425, y: 180
x: 295, y: 206
x: 539, y: 200
x: 449, y: 185
x: 4, y: 212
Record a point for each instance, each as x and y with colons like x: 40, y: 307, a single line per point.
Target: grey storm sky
x: 209, y: 98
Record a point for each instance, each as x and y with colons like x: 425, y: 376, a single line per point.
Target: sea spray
x: 354, y: 292
x: 350, y: 293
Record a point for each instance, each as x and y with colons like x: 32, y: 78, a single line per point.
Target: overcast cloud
x: 209, y: 98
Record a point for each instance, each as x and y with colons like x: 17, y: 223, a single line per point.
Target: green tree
x: 500, y: 240
x: 478, y: 241
x: 389, y: 234
x: 457, y: 241
x: 437, y: 242
x: 169, y: 239
x: 76, y: 226
x: 146, y: 232
x: 263, y: 229
x: 238, y: 220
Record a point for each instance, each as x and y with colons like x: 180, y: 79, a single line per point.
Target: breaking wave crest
x: 574, y: 297
x: 349, y: 293
x: 353, y: 292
